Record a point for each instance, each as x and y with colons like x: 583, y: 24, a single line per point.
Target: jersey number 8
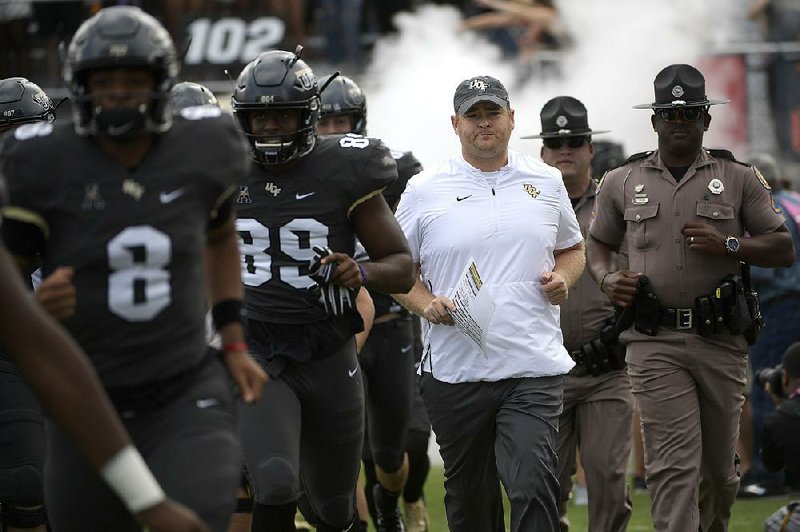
x: 138, y: 287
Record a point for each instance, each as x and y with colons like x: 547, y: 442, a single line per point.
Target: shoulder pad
x: 724, y: 154
x: 637, y: 156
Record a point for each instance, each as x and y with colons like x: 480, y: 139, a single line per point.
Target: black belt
x: 677, y: 318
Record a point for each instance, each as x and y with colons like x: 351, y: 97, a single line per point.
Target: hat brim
x: 703, y: 103
x: 467, y: 104
x: 584, y: 133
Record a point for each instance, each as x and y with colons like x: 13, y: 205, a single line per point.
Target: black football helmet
x: 121, y: 36
x: 190, y: 94
x: 342, y: 95
x: 278, y: 80
x: 23, y: 102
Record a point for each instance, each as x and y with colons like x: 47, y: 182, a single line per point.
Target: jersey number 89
x: 295, y: 239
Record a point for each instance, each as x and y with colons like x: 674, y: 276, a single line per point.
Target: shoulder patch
x: 637, y: 157
x: 397, y: 154
x: 199, y: 112
x: 724, y: 154
x: 36, y: 129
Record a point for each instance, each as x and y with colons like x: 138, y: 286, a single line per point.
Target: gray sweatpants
x: 492, y: 432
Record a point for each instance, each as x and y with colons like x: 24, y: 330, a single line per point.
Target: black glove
x: 334, y: 298
x: 321, y: 273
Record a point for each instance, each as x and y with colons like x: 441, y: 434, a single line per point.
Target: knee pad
x: 276, y: 481
x: 19, y: 517
x: 22, y: 485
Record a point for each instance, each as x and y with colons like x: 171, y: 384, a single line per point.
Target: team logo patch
x: 531, y: 190
x: 306, y: 78
x: 762, y: 179
x: 272, y: 188
x: 244, y: 195
x: 133, y: 189
x: 92, y: 200
x: 561, y: 121
x: 42, y: 99
x: 677, y: 91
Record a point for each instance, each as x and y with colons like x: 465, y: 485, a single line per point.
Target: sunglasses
x: 556, y: 143
x: 688, y: 114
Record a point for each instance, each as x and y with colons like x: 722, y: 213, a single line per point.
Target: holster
x: 751, y: 331
x: 647, y: 309
x: 604, y: 353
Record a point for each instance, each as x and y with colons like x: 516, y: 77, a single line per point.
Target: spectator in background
x: 15, y: 17
x: 781, y: 435
x: 385, y: 11
x: 779, y: 291
x: 57, y: 21
x: 781, y: 21
x: 531, y: 24
x: 607, y: 156
x: 342, y: 23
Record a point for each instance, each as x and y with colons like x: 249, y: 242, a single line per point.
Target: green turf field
x: 748, y: 515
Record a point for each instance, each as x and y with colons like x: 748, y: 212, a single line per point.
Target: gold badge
x: 638, y: 188
x: 716, y: 186
x: 530, y: 189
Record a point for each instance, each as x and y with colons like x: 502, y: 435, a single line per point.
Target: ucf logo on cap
x: 478, y: 84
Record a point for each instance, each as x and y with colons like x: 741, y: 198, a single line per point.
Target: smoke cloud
x: 618, y: 48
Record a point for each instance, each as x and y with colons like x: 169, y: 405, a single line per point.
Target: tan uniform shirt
x: 586, y: 308
x: 644, y: 200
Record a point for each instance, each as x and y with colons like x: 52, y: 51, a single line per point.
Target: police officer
x: 598, y: 403
x: 683, y: 211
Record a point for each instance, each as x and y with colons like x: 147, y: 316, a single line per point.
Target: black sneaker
x: 388, y: 517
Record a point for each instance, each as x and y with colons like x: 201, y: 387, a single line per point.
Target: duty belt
x: 677, y: 318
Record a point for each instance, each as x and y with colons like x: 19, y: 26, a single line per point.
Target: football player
x: 300, y: 211
x: 189, y: 94
x: 387, y: 358
x: 125, y: 207
x: 21, y: 426
x: 64, y: 381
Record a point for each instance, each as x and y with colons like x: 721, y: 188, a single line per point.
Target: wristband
x: 235, y: 347
x: 363, y: 273
x: 227, y: 311
x: 129, y: 477
x: 603, y: 280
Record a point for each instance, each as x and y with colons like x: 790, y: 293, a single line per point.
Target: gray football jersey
x: 135, y: 238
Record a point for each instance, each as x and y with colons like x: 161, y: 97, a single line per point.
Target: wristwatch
x: 732, y: 244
